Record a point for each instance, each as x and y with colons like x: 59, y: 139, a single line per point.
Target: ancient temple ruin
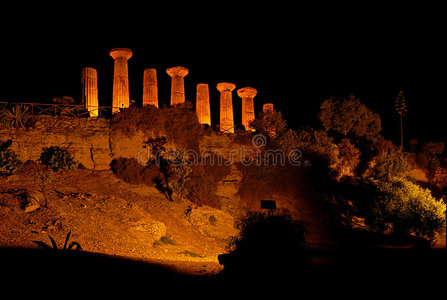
x: 226, y: 106
x: 177, y: 84
x: 89, y: 94
x: 150, y: 89
x: 203, y: 104
x: 248, y: 110
x: 120, y: 98
x: 267, y: 107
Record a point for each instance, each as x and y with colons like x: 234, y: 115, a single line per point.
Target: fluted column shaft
x: 177, y: 84
x: 150, y: 88
x: 89, y: 93
x: 203, y: 104
x: 248, y: 110
x: 226, y: 107
x: 120, y: 78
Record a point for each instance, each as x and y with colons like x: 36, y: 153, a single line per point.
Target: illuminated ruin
x: 226, y: 106
x: 248, y: 110
x: 150, y: 89
x: 120, y: 78
x: 177, y: 84
x: 89, y: 94
x: 203, y: 104
x: 267, y: 107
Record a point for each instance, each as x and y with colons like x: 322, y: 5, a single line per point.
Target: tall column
x: 226, y: 106
x: 120, y: 78
x: 177, y: 84
x: 248, y: 110
x: 150, y: 89
x: 267, y: 107
x: 203, y: 104
x: 89, y: 92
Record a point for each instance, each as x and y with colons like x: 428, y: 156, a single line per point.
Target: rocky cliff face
x: 88, y: 139
x: 93, y: 143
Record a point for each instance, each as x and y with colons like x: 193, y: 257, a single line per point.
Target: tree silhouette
x: 349, y: 118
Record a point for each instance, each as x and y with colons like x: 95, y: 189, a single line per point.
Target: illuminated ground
x: 109, y: 216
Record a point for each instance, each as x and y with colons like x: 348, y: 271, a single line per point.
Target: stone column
x: 120, y: 78
x: 226, y: 106
x: 89, y: 92
x: 203, y: 104
x: 150, y: 89
x: 248, y: 110
x: 267, y: 107
x: 177, y: 84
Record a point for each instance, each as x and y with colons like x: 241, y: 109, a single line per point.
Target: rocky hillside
x: 106, y: 215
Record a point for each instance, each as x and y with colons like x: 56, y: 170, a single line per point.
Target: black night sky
x: 295, y: 57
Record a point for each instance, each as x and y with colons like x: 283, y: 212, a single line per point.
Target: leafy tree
x: 349, y: 157
x: 408, y: 209
x: 387, y: 165
x: 316, y: 142
x: 270, y: 123
x: 349, y: 118
x: 428, y: 158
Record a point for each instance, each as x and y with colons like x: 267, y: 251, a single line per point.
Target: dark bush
x: 268, y: 246
x: 57, y: 158
x: 8, y: 158
x: 131, y: 171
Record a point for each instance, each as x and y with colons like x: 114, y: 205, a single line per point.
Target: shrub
x: 14, y: 116
x: 8, y: 158
x: 57, y: 158
x: 387, y: 165
x: 267, y: 245
x: 407, y: 209
x: 349, y: 157
x: 128, y: 169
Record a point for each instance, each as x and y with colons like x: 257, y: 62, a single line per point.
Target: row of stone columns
x: 120, y: 98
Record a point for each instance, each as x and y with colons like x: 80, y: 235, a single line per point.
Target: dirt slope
x: 107, y: 215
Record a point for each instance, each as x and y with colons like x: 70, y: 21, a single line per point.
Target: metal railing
x: 57, y: 109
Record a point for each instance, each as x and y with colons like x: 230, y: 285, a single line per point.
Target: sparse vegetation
x: 57, y: 158
x: 9, y: 161
x: 14, y: 116
x: 73, y: 245
x: 191, y: 254
x: 164, y: 240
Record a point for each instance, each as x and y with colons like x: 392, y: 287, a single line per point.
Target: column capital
x: 225, y: 86
x: 177, y: 71
x: 247, y: 92
x: 89, y: 71
x: 121, y: 53
x: 267, y: 107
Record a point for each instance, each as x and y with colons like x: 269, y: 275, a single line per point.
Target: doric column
x: 226, y: 106
x: 248, y: 110
x: 267, y: 107
x: 120, y: 78
x: 203, y: 104
x: 150, y: 89
x: 177, y: 84
x: 89, y: 92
